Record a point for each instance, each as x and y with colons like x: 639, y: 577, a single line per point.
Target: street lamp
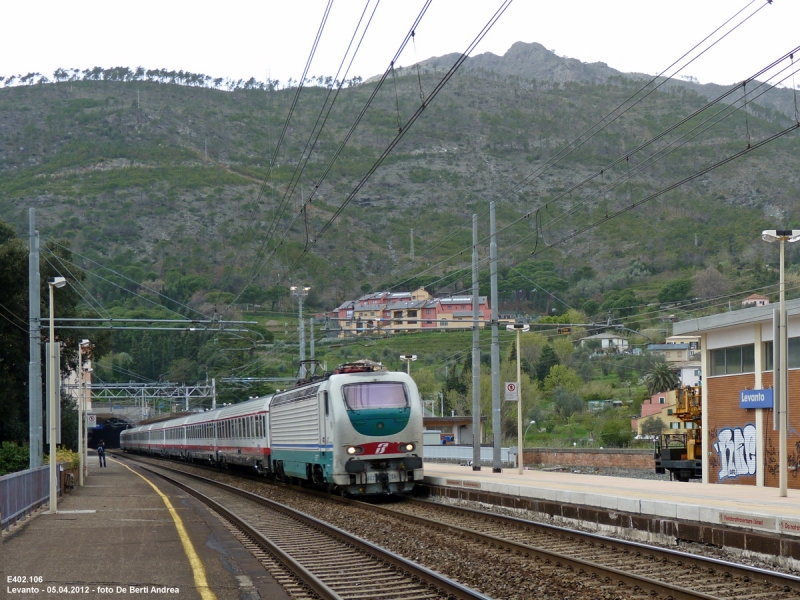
x: 525, y: 435
x: 53, y: 282
x: 519, y: 327
x: 301, y: 292
x: 782, y: 235
x: 408, y: 358
x: 81, y: 434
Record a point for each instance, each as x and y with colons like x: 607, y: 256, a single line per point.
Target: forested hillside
x: 162, y: 195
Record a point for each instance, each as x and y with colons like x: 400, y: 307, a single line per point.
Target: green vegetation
x: 163, y: 185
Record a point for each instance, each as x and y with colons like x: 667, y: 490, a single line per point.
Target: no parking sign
x: 512, y: 392
x: 92, y: 421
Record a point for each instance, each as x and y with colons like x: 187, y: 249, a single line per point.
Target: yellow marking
x: 200, y: 581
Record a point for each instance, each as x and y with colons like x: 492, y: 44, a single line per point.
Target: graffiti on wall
x: 736, y: 448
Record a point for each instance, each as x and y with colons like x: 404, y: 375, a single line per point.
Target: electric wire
x: 403, y: 130
x: 598, y: 126
x: 722, y: 114
x: 293, y: 105
x: 261, y: 259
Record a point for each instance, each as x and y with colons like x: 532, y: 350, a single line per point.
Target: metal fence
x: 24, y: 491
x: 463, y: 454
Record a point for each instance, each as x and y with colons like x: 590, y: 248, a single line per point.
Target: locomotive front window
x: 361, y: 396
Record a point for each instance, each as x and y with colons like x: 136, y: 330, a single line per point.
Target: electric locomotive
x: 357, y: 431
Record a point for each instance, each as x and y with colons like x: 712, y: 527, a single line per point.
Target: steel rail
x: 453, y: 589
x: 735, y: 569
x: 651, y: 586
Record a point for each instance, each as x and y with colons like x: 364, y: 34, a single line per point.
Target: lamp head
x: 776, y: 235
x: 523, y: 327
x: 84, y: 343
x: 57, y: 281
x: 408, y: 357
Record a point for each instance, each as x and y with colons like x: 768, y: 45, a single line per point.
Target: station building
x: 740, y: 445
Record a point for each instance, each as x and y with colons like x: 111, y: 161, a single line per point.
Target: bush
x: 616, y: 433
x: 65, y: 456
x: 13, y: 457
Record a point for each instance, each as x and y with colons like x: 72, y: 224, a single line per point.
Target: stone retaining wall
x: 614, y: 458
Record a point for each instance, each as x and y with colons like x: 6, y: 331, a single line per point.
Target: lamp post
x: 525, y: 435
x: 782, y: 235
x: 81, y: 439
x: 408, y: 358
x: 519, y: 327
x: 53, y: 282
x: 301, y: 292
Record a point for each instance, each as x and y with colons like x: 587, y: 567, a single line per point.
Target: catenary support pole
x: 52, y: 373
x: 476, y: 354
x: 783, y: 477
x: 497, y: 466
x: 35, y: 426
x: 79, y: 372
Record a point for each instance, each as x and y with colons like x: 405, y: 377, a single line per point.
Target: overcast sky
x: 243, y: 39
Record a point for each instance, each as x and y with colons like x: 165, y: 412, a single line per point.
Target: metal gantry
x: 144, y: 395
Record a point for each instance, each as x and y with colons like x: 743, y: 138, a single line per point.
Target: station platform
x: 739, y: 516
x: 117, y: 537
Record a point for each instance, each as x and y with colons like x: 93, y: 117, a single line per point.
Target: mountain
x: 167, y: 182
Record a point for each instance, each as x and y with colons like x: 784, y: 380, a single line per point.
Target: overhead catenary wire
x: 404, y: 129
x: 606, y: 120
x: 321, y: 121
x: 261, y: 258
x: 724, y: 113
x: 279, y: 142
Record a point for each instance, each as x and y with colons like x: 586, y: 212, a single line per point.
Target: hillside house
x: 755, y: 300
x: 610, y: 343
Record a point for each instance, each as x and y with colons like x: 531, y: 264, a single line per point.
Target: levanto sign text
x: 756, y: 398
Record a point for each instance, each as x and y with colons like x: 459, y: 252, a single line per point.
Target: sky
x: 247, y: 38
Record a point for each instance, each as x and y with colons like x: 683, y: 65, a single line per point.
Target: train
x: 356, y: 431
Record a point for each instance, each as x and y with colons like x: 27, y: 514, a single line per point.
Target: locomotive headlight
x: 407, y: 447
x: 355, y: 450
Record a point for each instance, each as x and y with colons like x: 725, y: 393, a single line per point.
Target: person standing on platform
x: 101, y: 454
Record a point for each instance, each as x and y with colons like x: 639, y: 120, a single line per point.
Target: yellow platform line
x: 200, y: 581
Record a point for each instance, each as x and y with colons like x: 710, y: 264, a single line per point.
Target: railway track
x: 594, y: 566
x: 316, y: 560
x: 652, y: 569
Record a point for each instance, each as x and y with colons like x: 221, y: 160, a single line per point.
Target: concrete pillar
x: 705, y: 366
x: 759, y: 360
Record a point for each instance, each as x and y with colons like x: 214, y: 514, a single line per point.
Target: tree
x: 561, y: 376
x: 653, y: 426
x: 547, y: 360
x: 567, y: 403
x: 710, y: 283
x: 616, y: 432
x: 660, y: 378
x: 675, y: 291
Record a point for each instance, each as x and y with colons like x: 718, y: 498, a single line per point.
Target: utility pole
x: 412, y: 244
x: 476, y: 354
x: 35, y: 343
x: 301, y: 292
x: 213, y: 393
x: 311, y: 337
x: 137, y: 99
x: 497, y: 466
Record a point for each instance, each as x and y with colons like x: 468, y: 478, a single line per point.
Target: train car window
x: 361, y: 396
x: 325, y: 396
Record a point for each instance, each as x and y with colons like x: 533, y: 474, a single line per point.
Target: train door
x: 323, y: 470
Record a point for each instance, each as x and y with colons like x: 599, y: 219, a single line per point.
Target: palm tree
x: 660, y: 378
